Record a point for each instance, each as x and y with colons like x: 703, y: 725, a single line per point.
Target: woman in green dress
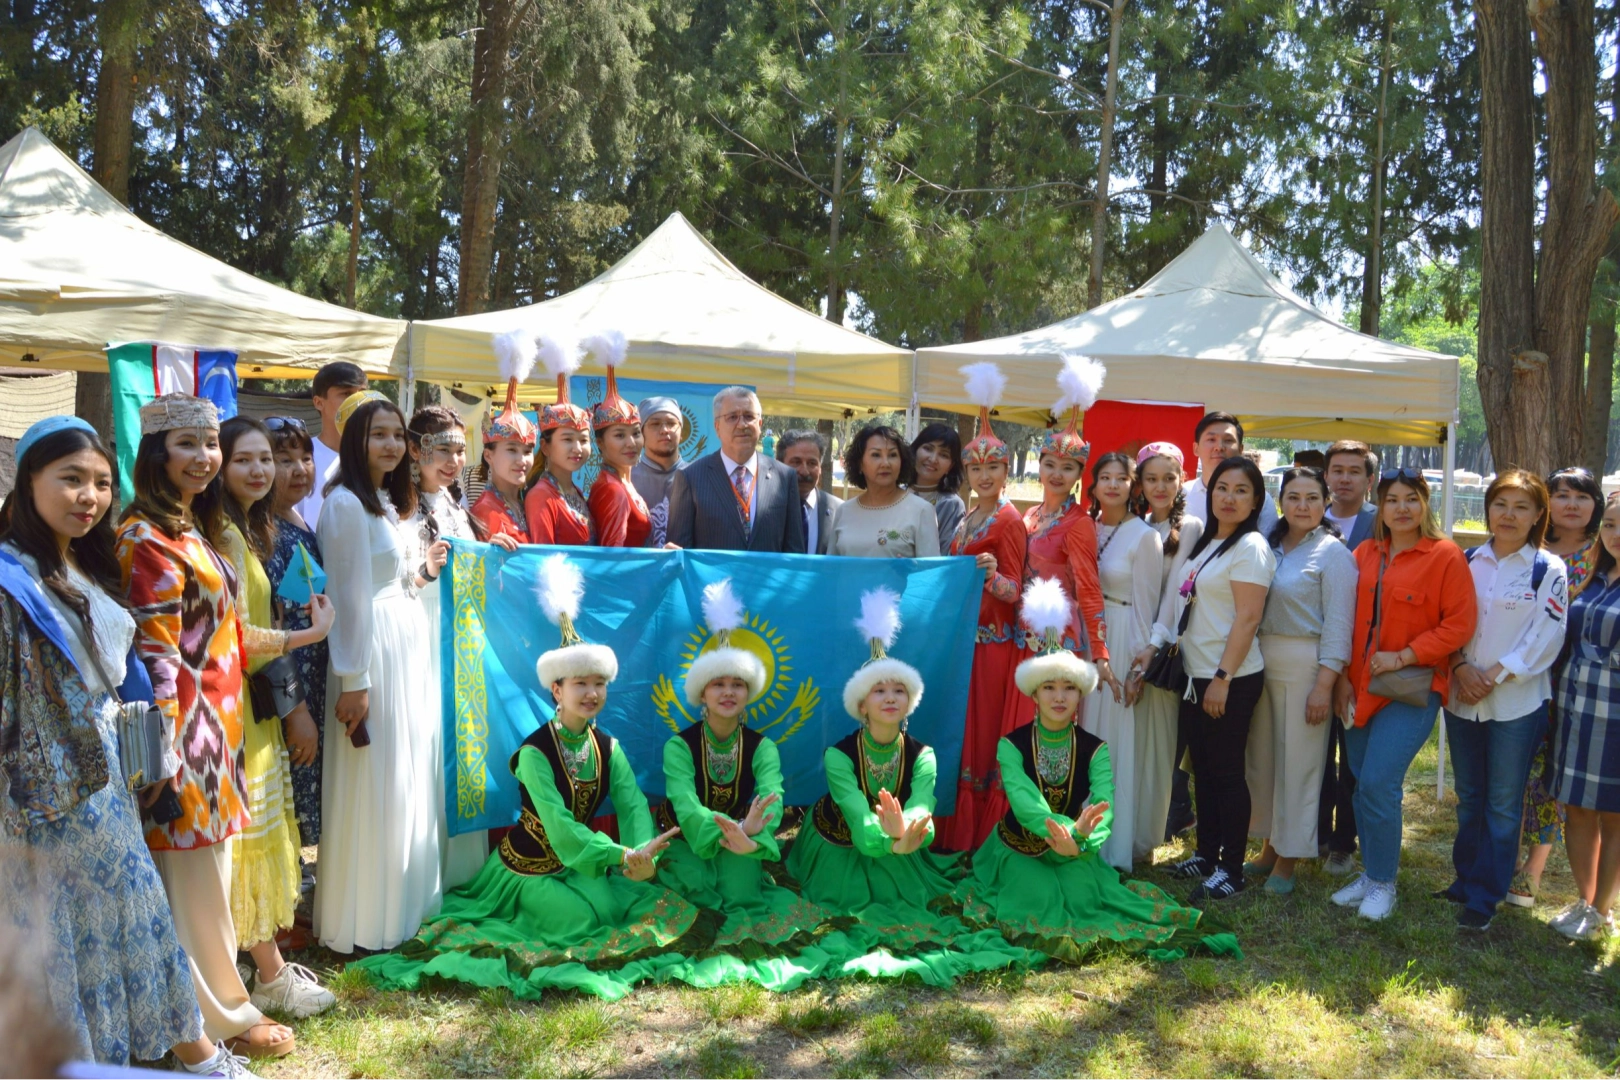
x: 1038, y: 877
x: 557, y: 904
x: 863, y: 849
x: 723, y: 785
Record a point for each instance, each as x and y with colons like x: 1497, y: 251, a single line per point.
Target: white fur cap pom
x: 559, y: 357
x: 722, y: 611
x: 515, y: 354
x: 562, y: 586
x: 575, y: 660
x: 880, y: 616
x: 608, y: 347
x: 869, y: 675
x: 1079, y: 382
x: 715, y: 663
x: 1060, y: 666
x: 985, y: 383
x: 1046, y: 606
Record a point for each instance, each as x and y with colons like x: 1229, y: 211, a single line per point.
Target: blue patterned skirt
x: 91, y: 900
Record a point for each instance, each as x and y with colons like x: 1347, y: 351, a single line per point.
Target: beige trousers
x: 199, y: 886
x: 1286, y: 755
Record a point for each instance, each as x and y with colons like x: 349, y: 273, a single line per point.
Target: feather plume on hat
x: 514, y: 357
x: 561, y: 359
x: 610, y: 347
x: 984, y: 383
x: 1079, y: 382
x: 723, y: 613
x: 562, y: 590
x: 879, y: 625
x: 1046, y: 612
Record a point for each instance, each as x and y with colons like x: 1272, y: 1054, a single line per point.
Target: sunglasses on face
x: 284, y: 423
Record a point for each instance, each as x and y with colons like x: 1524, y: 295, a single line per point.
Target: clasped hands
x: 1064, y: 841
x: 638, y: 862
x: 739, y: 837
x: 905, y: 837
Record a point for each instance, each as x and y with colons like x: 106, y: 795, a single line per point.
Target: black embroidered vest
x: 731, y: 799
x: 1067, y: 798
x: 826, y: 815
x: 525, y: 850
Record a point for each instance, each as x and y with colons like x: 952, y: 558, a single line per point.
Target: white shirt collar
x: 1525, y: 553
x: 810, y: 499
x: 752, y: 464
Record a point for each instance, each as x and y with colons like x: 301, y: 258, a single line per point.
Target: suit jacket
x: 703, y: 510
x: 1363, y: 528
x: 826, y: 503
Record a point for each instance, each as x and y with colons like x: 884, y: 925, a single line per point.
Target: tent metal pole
x: 912, y: 411
x: 408, y: 398
x: 1448, y: 518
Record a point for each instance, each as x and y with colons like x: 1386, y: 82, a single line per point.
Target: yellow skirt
x: 264, y: 872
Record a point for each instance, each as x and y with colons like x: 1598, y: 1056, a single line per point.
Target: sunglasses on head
x: 1573, y: 470
x: 1400, y: 474
x: 284, y: 423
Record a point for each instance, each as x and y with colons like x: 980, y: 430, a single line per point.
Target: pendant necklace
x: 881, y: 772
x: 722, y: 754
x: 1052, y: 757
x: 576, y: 750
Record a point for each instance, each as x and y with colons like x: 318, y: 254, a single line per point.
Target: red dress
x: 491, y: 512
x: 553, y: 516
x: 619, y: 515
x: 995, y: 707
x: 1065, y: 547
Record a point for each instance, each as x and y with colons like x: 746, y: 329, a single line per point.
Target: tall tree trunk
x: 1601, y: 335
x: 1105, y: 149
x: 835, y: 286
x: 1513, y: 384
x: 1580, y: 215
x: 352, y: 272
x: 486, y: 137
x: 1372, y: 275
x: 118, y: 32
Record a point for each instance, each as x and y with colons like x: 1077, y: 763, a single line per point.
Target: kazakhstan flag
x: 647, y: 606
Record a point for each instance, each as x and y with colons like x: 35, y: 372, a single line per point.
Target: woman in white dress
x: 1130, y: 560
x: 438, y: 448
x: 1161, y: 502
x: 383, y: 758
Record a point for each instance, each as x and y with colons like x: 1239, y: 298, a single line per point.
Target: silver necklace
x: 722, y: 763
x: 1052, y: 762
x: 883, y: 772
x: 573, y: 760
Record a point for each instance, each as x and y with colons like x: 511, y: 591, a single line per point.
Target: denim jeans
x: 1491, y: 762
x: 1380, y: 754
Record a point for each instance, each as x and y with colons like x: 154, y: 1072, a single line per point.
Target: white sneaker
x: 224, y: 1064
x: 1586, y: 924
x: 1379, y: 901
x: 1569, y: 915
x: 295, y: 993
x: 1339, y: 864
x: 1354, y: 893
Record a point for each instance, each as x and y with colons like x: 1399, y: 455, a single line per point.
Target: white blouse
x: 1175, y: 569
x: 1130, y: 565
x: 1519, y: 627
x: 365, y: 560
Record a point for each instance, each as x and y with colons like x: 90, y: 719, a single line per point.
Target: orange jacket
x: 1428, y: 606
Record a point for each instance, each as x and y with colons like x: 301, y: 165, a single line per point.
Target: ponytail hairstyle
x: 1113, y: 457
x: 1251, y: 472
x: 21, y: 526
x: 217, y: 505
x: 1178, y: 508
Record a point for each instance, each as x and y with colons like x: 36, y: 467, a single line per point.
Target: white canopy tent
x: 78, y: 272
x: 691, y: 316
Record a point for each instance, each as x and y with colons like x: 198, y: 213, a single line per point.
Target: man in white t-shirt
x: 1217, y: 437
x: 333, y: 383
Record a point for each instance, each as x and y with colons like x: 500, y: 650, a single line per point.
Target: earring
x: 905, y: 722
x: 416, y: 473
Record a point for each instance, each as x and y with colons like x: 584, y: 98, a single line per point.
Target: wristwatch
x: 1220, y: 673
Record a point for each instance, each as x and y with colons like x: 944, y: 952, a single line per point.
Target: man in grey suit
x: 1351, y: 466
x: 736, y: 499
x: 803, y: 452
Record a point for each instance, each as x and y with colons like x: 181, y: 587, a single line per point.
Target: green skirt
x: 900, y: 904
x: 1072, y: 908
x: 527, y: 932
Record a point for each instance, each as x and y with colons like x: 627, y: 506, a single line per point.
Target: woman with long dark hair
x: 379, y: 868
x: 115, y: 971
x: 1227, y: 576
x: 183, y: 593
x: 1415, y: 607
x: 619, y: 515
x: 937, y: 451
x: 1572, y: 534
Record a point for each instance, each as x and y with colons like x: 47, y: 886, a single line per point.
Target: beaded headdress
x: 1047, y: 612
x: 879, y: 625
x: 515, y: 353
x: 562, y: 588
x: 561, y: 360
x: 175, y: 412
x: 1080, y: 381
x: 985, y: 384
x: 449, y: 439
x: 610, y: 347
x: 723, y: 613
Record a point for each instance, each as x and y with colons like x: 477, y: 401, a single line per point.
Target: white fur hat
x: 1046, y: 611
x: 879, y: 624
x: 562, y: 587
x: 723, y: 613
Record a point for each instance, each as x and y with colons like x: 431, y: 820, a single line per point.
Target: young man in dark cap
x: 333, y: 383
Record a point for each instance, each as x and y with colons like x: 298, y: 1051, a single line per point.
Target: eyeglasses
x: 284, y: 423
x: 1407, y: 473
x: 737, y: 418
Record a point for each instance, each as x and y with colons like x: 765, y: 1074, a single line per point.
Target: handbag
x: 276, y: 689
x: 144, y: 735
x: 1167, y: 670
x: 1410, y: 685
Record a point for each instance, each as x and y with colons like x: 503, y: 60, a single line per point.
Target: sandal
x: 255, y: 1042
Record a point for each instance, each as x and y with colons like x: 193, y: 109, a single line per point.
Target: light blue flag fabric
x: 647, y: 606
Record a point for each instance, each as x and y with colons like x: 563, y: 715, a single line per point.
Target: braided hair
x: 1140, y: 506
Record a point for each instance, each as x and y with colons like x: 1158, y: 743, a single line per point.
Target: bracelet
x: 1457, y: 665
x: 422, y: 572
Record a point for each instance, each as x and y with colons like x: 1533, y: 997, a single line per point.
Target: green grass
x: 1318, y: 993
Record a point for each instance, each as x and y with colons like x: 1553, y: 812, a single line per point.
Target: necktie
x: 742, y: 485
x: 804, y: 512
